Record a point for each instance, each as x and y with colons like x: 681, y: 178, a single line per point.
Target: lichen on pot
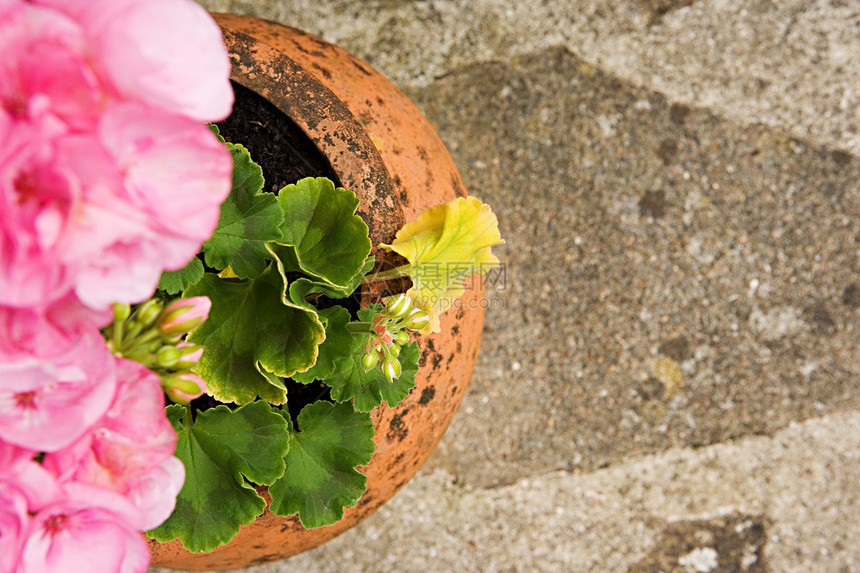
x: 377, y: 145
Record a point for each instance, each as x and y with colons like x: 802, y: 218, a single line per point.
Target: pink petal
x: 167, y: 53
x: 130, y: 450
x: 46, y: 332
x: 175, y: 170
x: 35, y: 483
x: 154, y: 493
x: 46, y: 405
x: 126, y: 272
x: 14, y: 523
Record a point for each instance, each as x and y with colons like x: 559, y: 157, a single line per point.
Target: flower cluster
x: 155, y: 337
x: 108, y: 177
x: 389, y: 331
x: 107, y: 467
x: 102, y: 105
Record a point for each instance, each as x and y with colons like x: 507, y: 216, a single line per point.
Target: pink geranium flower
x: 46, y: 67
x: 130, y: 450
x: 105, y: 216
x: 168, y: 54
x: 25, y: 487
x: 46, y: 404
x: 87, y: 526
x: 108, y: 177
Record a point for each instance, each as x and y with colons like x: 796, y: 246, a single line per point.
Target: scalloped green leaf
x: 223, y: 451
x: 249, y: 219
x: 336, y: 346
x: 320, y: 478
x: 173, y: 282
x: 368, y: 389
x: 253, y: 336
x: 330, y: 240
x: 303, y: 288
x: 214, y: 129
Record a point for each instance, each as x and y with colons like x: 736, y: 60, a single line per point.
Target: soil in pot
x: 275, y: 142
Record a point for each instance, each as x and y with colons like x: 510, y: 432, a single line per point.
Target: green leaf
x: 338, y: 339
x: 173, y: 282
x: 222, y: 451
x: 369, y: 389
x: 253, y: 336
x: 288, y: 335
x: 248, y: 220
x: 320, y: 479
x: 330, y: 240
x: 214, y: 129
x: 301, y: 288
x: 336, y: 346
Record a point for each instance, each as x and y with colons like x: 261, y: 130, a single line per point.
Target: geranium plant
x: 155, y: 302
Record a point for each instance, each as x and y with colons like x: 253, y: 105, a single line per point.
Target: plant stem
x: 395, y: 273
x: 186, y: 417
x: 116, y: 334
x: 129, y: 336
x: 359, y: 327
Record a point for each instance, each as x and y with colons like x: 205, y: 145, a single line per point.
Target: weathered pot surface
x: 382, y: 148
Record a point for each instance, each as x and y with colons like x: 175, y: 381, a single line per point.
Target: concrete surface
x: 672, y: 384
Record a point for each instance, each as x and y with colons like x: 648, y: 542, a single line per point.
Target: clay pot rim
x: 346, y: 144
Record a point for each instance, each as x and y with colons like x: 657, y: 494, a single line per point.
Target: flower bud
x: 370, y: 345
x: 167, y: 356
x: 121, y: 312
x: 376, y: 325
x: 369, y: 361
x: 394, y: 351
x: 401, y: 338
x: 418, y: 319
x: 148, y: 312
x: 398, y: 305
x: 182, y: 388
x: 191, y: 354
x: 184, y: 315
x: 391, y: 368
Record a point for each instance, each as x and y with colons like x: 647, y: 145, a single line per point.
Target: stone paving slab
x: 788, y: 63
x: 672, y: 277
x: 672, y: 381
x: 758, y: 504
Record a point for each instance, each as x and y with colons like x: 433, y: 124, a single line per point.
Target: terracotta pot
x: 382, y: 148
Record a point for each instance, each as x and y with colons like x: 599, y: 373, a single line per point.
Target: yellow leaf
x: 444, y: 246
